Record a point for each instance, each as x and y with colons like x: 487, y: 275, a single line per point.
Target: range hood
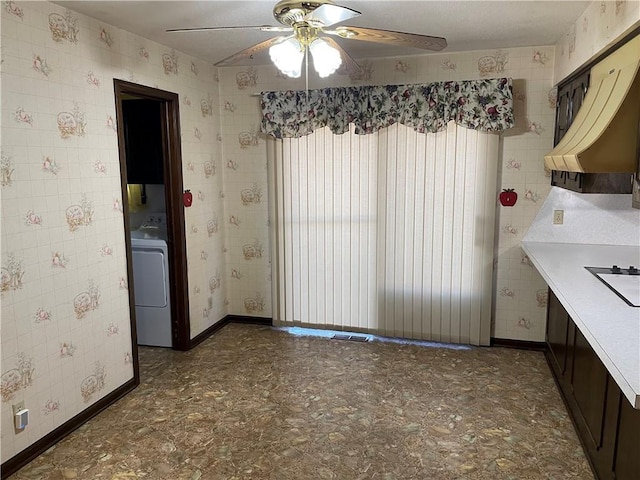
x: 604, y: 133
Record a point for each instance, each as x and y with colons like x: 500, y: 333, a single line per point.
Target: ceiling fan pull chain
x: 306, y: 78
x: 306, y: 73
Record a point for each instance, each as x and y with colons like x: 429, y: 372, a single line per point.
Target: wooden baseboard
x: 520, y: 344
x: 32, y: 451
x: 250, y: 320
x: 202, y: 336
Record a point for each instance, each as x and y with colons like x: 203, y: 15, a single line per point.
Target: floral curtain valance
x: 485, y: 105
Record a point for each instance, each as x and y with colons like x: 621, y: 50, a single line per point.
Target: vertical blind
x: 389, y: 233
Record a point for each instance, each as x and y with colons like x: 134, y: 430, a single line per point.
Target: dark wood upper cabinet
x: 579, y: 89
x: 570, y: 97
x: 144, y: 147
x: 571, y: 94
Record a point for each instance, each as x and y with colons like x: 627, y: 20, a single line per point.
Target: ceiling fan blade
x: 350, y: 64
x: 402, y: 39
x: 327, y: 14
x: 262, y: 28
x: 249, y: 52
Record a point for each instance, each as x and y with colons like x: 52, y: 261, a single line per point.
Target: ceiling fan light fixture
x: 326, y: 59
x: 287, y: 57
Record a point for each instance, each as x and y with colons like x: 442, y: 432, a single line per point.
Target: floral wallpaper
x: 601, y: 25
x: 66, y: 338
x: 63, y: 280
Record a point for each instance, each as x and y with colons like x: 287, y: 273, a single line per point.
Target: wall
x: 594, y: 219
x: 520, y: 304
x: 65, y: 314
x: 599, y: 27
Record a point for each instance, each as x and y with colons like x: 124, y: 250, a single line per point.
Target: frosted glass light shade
x: 287, y: 57
x: 326, y: 59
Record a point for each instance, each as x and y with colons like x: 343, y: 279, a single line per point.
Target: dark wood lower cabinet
x: 627, y: 457
x: 589, y: 382
x: 607, y: 424
x: 557, y: 334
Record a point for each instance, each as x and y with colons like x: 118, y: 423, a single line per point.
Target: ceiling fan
x: 306, y: 23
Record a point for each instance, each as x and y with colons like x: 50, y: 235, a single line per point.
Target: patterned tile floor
x: 257, y: 403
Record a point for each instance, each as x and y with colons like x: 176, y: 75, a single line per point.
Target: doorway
x: 153, y: 176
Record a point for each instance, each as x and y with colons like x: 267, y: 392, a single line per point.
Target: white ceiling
x: 467, y: 25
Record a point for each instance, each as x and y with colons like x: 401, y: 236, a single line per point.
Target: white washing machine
x: 151, y: 281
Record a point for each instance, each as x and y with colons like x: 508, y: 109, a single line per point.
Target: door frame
x: 173, y: 187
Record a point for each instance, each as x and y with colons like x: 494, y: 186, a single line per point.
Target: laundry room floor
x: 254, y: 402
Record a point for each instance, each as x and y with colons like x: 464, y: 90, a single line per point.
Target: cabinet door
x: 563, y: 113
x: 589, y: 382
x: 570, y: 98
x: 627, y: 457
x: 604, y: 458
x: 578, y: 90
x: 557, y: 332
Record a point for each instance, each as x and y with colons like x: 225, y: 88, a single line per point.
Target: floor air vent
x: 351, y: 338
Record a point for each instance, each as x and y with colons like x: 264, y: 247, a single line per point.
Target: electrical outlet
x: 17, y: 407
x: 558, y: 217
x: 20, y: 416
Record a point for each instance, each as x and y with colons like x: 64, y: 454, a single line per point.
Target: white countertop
x: 610, y: 325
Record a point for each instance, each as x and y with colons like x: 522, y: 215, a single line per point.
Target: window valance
x: 485, y: 105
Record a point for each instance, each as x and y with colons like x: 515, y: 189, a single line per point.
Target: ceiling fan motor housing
x: 291, y: 12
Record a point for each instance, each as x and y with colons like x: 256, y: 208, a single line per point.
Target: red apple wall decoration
x: 508, y: 197
x: 187, y: 198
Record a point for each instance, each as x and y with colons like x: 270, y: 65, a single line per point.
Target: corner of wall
x: 601, y: 25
